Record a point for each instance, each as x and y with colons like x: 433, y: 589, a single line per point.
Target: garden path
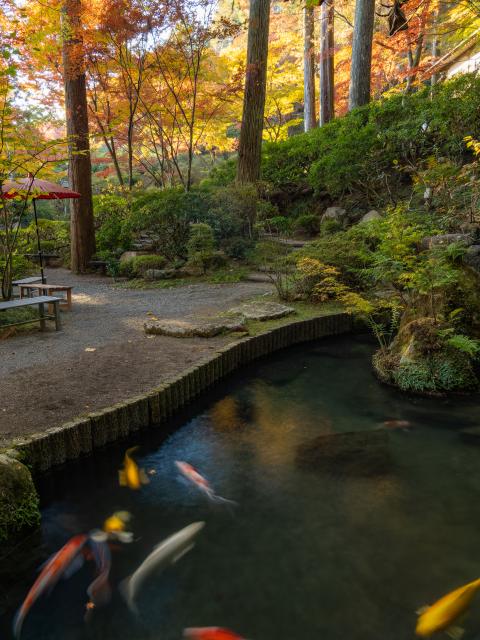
x: 102, y: 356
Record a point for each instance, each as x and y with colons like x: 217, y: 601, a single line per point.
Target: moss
x: 19, y: 505
x: 425, y: 367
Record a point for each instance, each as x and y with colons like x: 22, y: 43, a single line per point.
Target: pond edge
x: 57, y: 445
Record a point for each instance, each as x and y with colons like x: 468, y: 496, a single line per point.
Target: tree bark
x: 360, y: 71
x: 250, y: 145
x: 327, y: 79
x: 309, y: 117
x: 80, y: 168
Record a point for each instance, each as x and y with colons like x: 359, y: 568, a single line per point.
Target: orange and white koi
x: 65, y: 560
x: 116, y: 526
x: 194, y: 477
x: 99, y: 591
x: 131, y: 476
x: 210, y: 633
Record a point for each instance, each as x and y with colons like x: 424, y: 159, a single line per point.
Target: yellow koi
x: 117, y: 522
x: 131, y: 476
x: 444, y: 612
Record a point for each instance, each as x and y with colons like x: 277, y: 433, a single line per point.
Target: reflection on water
x: 344, y: 527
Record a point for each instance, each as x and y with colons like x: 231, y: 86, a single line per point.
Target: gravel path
x: 48, y: 378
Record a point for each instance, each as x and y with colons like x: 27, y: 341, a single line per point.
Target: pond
x: 334, y: 536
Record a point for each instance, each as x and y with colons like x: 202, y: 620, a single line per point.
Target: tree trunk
x: 327, y: 44
x: 361, y: 54
x: 80, y: 169
x: 250, y: 146
x: 309, y: 118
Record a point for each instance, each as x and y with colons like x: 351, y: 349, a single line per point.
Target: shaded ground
x: 48, y: 378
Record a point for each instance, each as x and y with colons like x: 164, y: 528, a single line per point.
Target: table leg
x: 58, y: 322
x: 41, y: 308
x: 69, y: 299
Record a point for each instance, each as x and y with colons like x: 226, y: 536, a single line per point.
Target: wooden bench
x: 49, y: 289
x: 41, y: 301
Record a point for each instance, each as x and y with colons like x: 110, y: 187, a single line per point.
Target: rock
x: 203, y: 328
x: 19, y: 505
x: 371, y: 215
x: 358, y: 453
x: 472, y: 257
x: 262, y: 310
x: 334, y: 213
x: 446, y: 239
x: 159, y: 274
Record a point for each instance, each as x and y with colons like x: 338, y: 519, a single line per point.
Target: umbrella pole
x: 38, y: 242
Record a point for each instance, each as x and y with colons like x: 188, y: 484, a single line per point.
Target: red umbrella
x: 37, y: 190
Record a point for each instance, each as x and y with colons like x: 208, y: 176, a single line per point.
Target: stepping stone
x: 203, y: 328
x: 262, y: 310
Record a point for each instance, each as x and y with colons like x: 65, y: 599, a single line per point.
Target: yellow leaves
x: 472, y: 144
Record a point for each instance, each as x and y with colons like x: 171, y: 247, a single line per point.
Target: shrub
x: 308, y: 223
x: 112, y: 213
x: 362, y: 152
x: 137, y: 266
x: 237, y: 248
x: 168, y: 215
x: 201, y: 245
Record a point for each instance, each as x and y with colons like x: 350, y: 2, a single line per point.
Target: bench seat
x: 40, y: 301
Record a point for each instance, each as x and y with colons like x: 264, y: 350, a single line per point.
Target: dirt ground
x: 102, y: 355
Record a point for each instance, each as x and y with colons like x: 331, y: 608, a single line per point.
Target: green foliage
x: 222, y: 175
x: 437, y: 373
x: 201, y: 245
x: 137, y: 266
x: 308, y: 223
x: 368, y: 152
x: 237, y: 247
x: 112, y: 212
x: 168, y: 215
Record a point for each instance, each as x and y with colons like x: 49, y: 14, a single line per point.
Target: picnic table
x: 49, y: 289
x: 41, y: 301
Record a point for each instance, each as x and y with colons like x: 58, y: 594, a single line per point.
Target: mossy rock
x: 19, y: 505
x: 420, y: 362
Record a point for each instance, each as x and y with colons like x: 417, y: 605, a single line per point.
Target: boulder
x: 19, y: 505
x: 446, y: 239
x: 334, y: 213
x: 159, y: 274
x: 357, y: 453
x: 189, y: 328
x: 371, y: 215
x: 472, y: 257
x: 261, y: 310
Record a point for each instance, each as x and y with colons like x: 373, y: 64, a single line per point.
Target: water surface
x: 315, y: 550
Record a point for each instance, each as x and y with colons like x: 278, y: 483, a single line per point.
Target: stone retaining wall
x: 71, y: 440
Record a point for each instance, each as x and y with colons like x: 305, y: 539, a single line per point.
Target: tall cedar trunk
x: 361, y: 54
x: 309, y: 118
x: 327, y: 80
x: 80, y: 169
x: 250, y: 146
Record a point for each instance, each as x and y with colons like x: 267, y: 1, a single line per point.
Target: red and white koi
x: 210, y: 633
x: 59, y: 565
x: 194, y: 477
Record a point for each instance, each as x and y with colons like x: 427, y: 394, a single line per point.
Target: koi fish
x: 444, y: 612
x: 64, y: 562
x: 131, y: 476
x: 210, y: 633
x: 116, y: 525
x: 99, y: 591
x: 194, y: 477
x: 163, y: 555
